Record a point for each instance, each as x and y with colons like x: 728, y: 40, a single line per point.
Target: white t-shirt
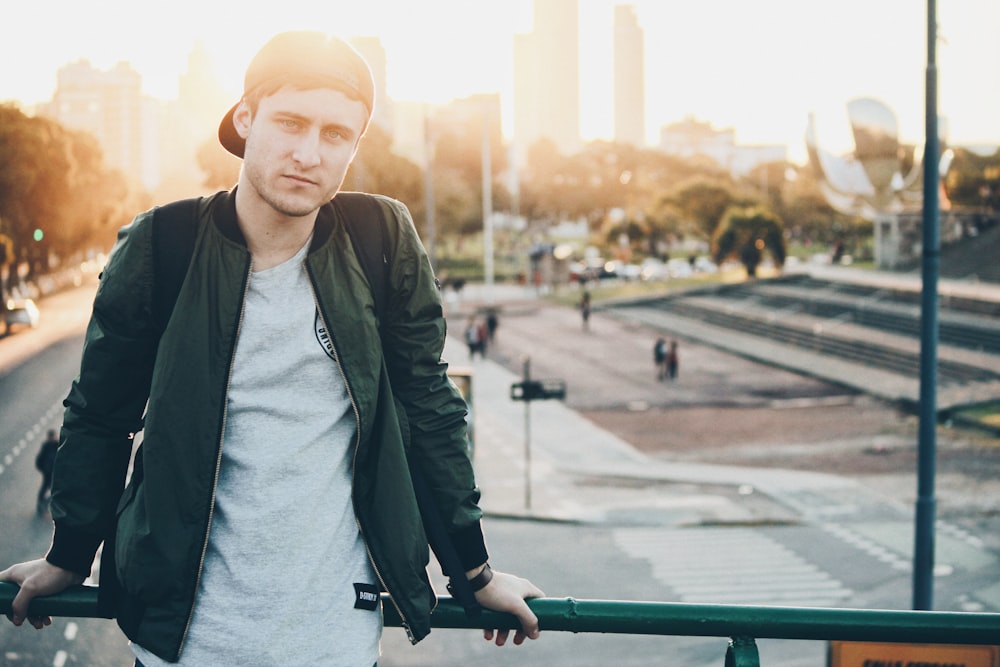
x: 286, y: 580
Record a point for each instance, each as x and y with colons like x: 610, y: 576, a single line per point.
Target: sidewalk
x: 545, y: 461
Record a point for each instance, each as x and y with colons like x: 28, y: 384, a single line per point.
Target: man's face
x: 299, y: 145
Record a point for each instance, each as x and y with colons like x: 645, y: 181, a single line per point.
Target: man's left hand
x: 507, y: 593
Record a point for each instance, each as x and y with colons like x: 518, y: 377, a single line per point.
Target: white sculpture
x: 881, y: 180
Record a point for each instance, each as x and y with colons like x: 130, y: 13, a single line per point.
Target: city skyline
x: 758, y: 68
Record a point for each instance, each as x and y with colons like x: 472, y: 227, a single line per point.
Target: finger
x: 39, y: 622
x: 19, y: 606
x: 12, y: 574
x: 529, y: 622
x: 502, y: 637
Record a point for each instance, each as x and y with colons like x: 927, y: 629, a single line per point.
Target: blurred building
x: 547, y: 78
x: 418, y: 125
x: 109, y: 105
x: 409, y: 130
x: 189, y: 124
x: 690, y: 138
x: 630, y: 78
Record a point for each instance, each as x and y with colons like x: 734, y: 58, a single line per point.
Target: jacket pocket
x: 141, y: 567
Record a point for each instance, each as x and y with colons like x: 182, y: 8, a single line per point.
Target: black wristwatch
x: 479, y: 582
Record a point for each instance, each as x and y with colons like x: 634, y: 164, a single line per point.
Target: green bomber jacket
x: 173, y: 380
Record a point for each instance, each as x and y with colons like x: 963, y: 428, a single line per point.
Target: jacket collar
x: 225, y: 219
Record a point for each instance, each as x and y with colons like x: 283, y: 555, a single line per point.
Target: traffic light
x: 38, y: 235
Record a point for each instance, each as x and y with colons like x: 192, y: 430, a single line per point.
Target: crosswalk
x: 731, y: 566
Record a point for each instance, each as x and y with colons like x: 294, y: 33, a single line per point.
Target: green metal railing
x: 742, y: 624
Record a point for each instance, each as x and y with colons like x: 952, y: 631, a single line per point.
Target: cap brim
x: 228, y: 137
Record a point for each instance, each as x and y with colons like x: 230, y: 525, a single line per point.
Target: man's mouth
x: 302, y: 180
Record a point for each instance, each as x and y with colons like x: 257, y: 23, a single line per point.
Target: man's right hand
x: 36, y: 578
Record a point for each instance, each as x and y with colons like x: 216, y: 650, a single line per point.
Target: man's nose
x: 306, y: 151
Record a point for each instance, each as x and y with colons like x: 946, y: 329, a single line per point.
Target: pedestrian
x: 672, y: 361
x: 45, y: 462
x: 484, y: 339
x: 270, y: 498
x: 660, y: 357
x: 475, y: 338
x: 585, y: 310
x: 492, y: 322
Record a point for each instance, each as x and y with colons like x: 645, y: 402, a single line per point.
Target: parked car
x: 593, y: 268
x: 653, y: 269
x: 21, y: 312
x: 679, y: 268
x: 619, y: 269
x: 705, y: 265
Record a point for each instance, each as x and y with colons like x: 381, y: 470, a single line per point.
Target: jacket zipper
x: 218, y: 460
x: 357, y: 447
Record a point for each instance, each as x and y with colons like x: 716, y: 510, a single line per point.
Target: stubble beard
x: 287, y: 204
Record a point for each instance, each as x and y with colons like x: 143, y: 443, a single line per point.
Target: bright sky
x: 758, y: 66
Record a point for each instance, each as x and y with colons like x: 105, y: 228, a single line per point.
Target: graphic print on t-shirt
x: 323, y: 336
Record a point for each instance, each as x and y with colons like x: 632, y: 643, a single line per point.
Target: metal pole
x: 923, y: 549
x: 429, y: 190
x: 527, y: 438
x: 487, y: 203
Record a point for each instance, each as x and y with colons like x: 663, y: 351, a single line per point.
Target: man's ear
x: 242, y: 119
x: 357, y: 143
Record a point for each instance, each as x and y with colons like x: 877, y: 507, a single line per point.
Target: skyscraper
x: 547, y: 78
x: 630, y: 78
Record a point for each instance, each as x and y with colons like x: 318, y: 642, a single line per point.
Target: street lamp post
x: 487, y: 205
x: 923, y: 551
x: 429, y: 191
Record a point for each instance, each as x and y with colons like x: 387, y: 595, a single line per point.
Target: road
x: 36, y: 368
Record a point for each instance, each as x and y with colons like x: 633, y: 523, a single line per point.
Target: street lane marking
x: 730, y: 567
x: 30, y: 436
x: 892, y: 543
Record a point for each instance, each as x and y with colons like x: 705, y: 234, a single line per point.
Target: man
x: 270, y: 499
x: 660, y: 357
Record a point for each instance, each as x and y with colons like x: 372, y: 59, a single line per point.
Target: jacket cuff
x: 73, y: 550
x: 470, y: 546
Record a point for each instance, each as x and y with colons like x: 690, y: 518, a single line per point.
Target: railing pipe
x: 739, y: 622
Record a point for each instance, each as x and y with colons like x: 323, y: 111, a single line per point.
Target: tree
x: 665, y: 224
x: 221, y: 168
x: 703, y: 202
x: 745, y: 234
x: 57, y: 195
x: 6, y: 259
x: 377, y: 169
x: 973, y: 180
